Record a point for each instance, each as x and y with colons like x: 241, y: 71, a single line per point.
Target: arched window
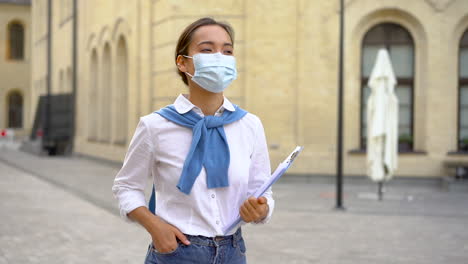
x: 463, y: 95
x: 15, y: 41
x: 15, y: 110
x: 93, y: 97
x: 121, y: 83
x: 399, y: 43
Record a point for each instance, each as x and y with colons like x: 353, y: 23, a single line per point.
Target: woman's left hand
x: 254, y: 210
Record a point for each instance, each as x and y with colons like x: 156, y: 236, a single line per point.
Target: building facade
x: 15, y: 65
x: 287, y: 54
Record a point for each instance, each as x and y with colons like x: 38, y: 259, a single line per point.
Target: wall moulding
x: 439, y: 5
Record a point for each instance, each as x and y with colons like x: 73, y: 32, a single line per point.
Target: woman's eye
x: 228, y: 52
x: 206, y: 50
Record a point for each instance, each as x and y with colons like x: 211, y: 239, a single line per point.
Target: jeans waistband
x: 216, y: 241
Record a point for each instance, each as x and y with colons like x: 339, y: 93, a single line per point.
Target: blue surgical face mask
x: 213, y: 71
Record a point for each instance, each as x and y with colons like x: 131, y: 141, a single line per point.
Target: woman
x: 206, y: 157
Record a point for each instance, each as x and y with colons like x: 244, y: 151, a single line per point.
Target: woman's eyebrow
x: 212, y: 43
x: 205, y: 42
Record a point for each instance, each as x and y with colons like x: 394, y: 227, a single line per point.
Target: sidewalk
x: 416, y: 222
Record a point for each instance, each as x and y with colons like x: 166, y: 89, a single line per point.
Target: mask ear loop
x: 191, y: 76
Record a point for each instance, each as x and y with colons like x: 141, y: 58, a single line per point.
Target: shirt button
x: 217, y: 222
x: 212, y: 196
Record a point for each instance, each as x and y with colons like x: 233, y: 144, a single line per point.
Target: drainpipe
x: 74, y: 75
x: 46, y: 137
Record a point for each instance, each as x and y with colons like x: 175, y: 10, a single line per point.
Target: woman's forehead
x: 210, y: 33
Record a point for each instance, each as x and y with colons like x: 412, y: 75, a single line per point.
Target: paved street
x: 61, y: 210
x: 41, y: 223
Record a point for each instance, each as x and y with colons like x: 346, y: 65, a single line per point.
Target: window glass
x: 464, y: 116
x: 401, y: 57
x: 463, y: 94
x: 464, y: 63
x: 368, y: 60
x: 397, y: 34
x: 16, y: 41
x: 464, y: 106
x: 463, y: 134
x: 366, y: 91
x: 403, y: 93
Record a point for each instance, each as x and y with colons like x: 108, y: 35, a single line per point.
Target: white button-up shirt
x: 159, y: 148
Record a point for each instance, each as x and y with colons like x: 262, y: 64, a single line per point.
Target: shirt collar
x: 228, y: 105
x: 183, y: 105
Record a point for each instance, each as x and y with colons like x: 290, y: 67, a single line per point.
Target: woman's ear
x: 181, y: 63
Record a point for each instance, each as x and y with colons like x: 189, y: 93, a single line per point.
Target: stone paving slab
x: 42, y: 223
x: 326, y: 236
x: 89, y: 179
x: 416, y: 223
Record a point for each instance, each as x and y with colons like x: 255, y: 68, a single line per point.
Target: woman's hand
x: 254, y: 210
x: 165, y: 237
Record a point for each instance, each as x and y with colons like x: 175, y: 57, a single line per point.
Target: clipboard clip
x: 294, y: 154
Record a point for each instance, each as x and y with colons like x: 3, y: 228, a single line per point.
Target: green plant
x: 464, y: 141
x: 405, y: 139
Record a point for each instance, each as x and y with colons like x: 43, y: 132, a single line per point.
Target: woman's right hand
x: 165, y: 237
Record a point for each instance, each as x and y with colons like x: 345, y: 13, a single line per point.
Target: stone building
x: 15, y: 65
x: 287, y: 53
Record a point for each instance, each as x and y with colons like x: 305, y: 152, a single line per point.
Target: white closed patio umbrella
x: 382, y: 122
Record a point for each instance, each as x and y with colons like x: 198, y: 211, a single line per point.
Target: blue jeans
x: 203, y: 250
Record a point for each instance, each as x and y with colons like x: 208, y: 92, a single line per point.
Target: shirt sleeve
x: 130, y: 181
x: 260, y: 170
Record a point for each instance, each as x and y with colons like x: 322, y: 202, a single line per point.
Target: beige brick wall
x: 287, y: 53
x: 15, y: 75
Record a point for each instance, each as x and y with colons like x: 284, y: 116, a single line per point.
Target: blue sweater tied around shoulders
x: 209, y: 148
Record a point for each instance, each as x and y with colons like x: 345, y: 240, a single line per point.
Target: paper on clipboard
x: 280, y: 170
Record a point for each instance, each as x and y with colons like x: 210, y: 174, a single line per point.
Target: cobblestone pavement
x: 61, y: 210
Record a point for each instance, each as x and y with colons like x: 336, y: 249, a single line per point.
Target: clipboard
x: 280, y: 170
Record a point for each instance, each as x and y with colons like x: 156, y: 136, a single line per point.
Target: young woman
x: 206, y: 157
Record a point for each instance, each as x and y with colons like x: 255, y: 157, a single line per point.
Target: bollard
x: 3, y: 138
x: 7, y: 137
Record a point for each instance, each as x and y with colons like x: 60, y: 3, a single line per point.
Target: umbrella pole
x: 380, y: 190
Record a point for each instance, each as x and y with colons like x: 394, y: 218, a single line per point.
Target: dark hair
x: 186, y: 37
